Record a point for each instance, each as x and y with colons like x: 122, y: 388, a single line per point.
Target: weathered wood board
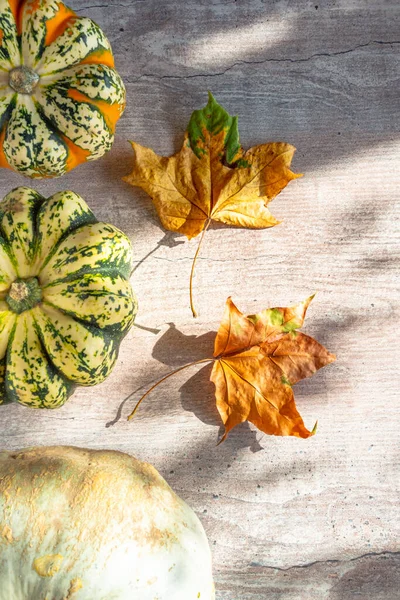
x: 287, y: 519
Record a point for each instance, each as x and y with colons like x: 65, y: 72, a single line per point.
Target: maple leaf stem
x: 196, y: 362
x: 194, y: 312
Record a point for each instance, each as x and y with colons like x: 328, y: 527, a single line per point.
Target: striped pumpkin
x: 60, y: 96
x: 65, y: 298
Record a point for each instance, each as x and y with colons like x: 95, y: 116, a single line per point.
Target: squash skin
x: 81, y: 524
x: 71, y: 332
x: 69, y: 115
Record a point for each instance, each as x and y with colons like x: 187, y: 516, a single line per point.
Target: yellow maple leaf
x: 212, y: 179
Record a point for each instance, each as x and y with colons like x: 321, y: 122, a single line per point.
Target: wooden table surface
x: 287, y: 519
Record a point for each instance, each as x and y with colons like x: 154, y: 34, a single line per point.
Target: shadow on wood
x: 374, y: 576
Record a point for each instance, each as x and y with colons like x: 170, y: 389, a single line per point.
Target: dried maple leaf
x: 212, y: 179
x: 257, y: 359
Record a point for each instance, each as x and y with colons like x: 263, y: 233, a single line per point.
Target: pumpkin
x: 80, y: 524
x: 65, y: 298
x: 60, y: 96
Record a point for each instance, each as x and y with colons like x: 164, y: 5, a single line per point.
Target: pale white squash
x: 81, y: 524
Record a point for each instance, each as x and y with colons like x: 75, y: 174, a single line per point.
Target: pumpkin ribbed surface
x: 65, y: 297
x: 80, y: 524
x: 60, y: 96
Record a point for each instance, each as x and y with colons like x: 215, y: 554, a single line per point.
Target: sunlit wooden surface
x: 287, y: 519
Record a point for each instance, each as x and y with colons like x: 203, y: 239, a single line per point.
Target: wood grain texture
x: 287, y: 519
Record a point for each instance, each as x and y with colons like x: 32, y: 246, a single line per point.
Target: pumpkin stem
x: 196, y: 362
x: 23, y: 79
x: 24, y: 294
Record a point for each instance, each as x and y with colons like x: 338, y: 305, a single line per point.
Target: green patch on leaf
x: 290, y: 326
x: 211, y: 120
x: 276, y: 317
x: 237, y: 329
x: 285, y: 381
x: 253, y: 318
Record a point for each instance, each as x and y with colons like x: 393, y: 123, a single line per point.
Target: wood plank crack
x: 261, y: 62
x: 329, y: 561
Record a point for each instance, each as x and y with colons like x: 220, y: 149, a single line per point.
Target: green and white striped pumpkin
x: 65, y: 297
x: 79, y: 524
x: 60, y: 96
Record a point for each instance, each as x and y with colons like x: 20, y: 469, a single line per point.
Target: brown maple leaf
x: 257, y: 359
x: 212, y: 179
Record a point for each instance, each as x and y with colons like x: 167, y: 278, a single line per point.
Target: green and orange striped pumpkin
x: 65, y: 297
x: 60, y: 96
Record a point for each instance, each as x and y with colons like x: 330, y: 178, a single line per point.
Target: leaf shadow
x: 326, y: 331
x: 118, y: 415
x: 174, y: 349
x: 372, y: 577
x: 168, y: 240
